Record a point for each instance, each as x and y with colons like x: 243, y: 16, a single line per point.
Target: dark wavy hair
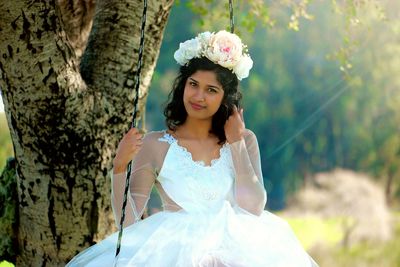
x: 175, y: 112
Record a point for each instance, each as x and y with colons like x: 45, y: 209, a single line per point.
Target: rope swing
x: 134, y: 113
x: 135, y: 87
x: 231, y: 18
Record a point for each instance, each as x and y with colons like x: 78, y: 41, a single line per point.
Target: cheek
x: 186, y: 93
x: 217, y: 102
x: 220, y: 98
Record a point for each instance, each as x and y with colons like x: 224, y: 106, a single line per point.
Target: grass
x: 6, y: 264
x: 329, y: 253
x: 313, y: 230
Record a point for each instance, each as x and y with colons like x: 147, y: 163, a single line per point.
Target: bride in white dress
x: 206, y: 168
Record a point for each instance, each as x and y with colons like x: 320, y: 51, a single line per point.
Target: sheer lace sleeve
x: 143, y: 175
x: 249, y: 189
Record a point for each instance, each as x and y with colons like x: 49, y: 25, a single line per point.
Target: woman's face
x: 203, y: 94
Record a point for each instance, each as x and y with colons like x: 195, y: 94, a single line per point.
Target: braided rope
x: 231, y: 16
x: 134, y: 113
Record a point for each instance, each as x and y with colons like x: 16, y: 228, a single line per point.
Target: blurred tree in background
x: 322, y: 94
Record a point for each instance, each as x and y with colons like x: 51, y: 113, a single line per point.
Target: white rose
x: 225, y: 49
x: 180, y: 57
x: 187, y: 50
x: 243, y: 67
x: 204, y: 39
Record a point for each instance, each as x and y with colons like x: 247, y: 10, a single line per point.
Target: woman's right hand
x: 128, y: 147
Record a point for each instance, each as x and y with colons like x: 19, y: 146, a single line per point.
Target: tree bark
x: 67, y: 109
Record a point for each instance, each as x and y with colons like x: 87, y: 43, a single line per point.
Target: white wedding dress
x: 201, y: 225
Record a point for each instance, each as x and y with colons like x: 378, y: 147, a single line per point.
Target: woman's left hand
x: 234, y: 126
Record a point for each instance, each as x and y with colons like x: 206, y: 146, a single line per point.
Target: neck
x: 194, y: 128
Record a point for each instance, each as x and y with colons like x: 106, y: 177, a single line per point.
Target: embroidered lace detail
x: 173, y: 141
x: 167, y: 138
x: 204, y: 192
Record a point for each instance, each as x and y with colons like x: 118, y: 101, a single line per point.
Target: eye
x: 191, y: 83
x: 212, y: 90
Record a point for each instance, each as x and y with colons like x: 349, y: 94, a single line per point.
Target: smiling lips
x: 196, y: 106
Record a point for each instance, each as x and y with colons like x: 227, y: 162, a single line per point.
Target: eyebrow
x: 209, y: 85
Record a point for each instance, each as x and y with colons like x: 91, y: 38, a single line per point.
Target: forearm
x: 251, y: 197
x: 249, y: 190
x: 117, y: 195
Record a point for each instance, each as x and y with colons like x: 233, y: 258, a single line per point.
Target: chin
x: 199, y: 116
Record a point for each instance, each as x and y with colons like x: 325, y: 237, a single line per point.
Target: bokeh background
x: 323, y: 99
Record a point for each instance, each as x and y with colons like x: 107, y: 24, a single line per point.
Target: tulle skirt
x: 230, y: 237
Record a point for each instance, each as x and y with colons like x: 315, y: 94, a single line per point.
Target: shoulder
x: 250, y: 138
x: 152, y: 149
x: 153, y: 136
x: 249, y: 135
x: 151, y: 139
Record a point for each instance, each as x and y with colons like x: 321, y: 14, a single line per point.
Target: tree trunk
x: 67, y: 110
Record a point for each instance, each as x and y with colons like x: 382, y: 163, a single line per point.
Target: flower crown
x: 222, y: 48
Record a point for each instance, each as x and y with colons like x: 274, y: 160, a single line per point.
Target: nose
x: 199, y: 96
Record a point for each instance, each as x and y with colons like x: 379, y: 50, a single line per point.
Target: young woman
x: 206, y: 168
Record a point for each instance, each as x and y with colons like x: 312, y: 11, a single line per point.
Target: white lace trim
x: 173, y: 141
x: 167, y: 138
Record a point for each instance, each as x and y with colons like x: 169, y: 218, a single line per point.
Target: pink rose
x: 225, y: 49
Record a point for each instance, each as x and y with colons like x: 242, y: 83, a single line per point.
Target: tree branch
x: 114, y: 41
x: 77, y: 18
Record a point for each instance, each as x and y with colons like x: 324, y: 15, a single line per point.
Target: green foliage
x: 6, y: 147
x: 249, y: 13
x: 8, y: 212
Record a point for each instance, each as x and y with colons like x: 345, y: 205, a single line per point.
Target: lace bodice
x: 191, y: 184
x: 182, y: 183
x: 223, y: 152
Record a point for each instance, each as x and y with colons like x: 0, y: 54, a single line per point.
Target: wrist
x: 119, y: 168
x: 234, y: 139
